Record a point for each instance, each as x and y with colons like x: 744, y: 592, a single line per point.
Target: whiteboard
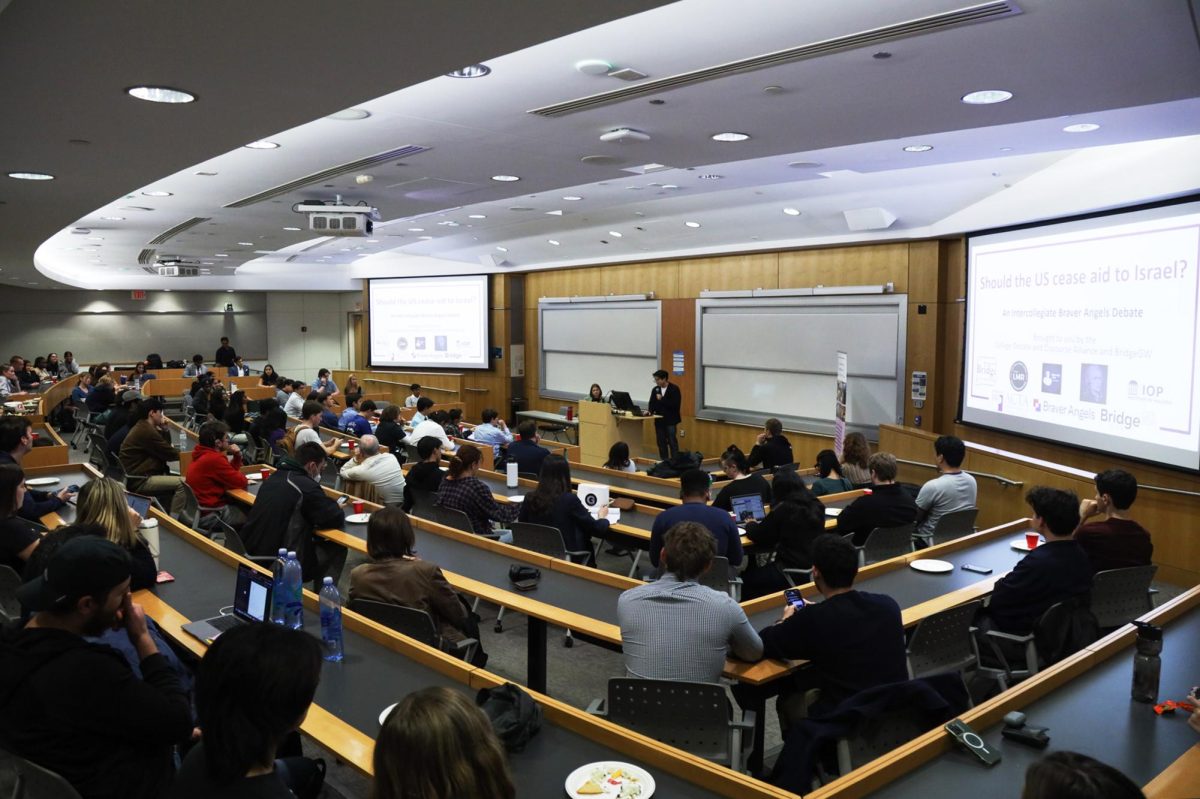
x: 615, y: 344
x: 763, y: 357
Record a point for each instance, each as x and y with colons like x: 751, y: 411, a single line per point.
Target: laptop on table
x: 748, y: 507
x: 251, y: 603
x: 623, y: 402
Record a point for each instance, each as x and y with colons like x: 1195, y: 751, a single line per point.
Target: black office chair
x: 414, y: 623
x: 24, y: 779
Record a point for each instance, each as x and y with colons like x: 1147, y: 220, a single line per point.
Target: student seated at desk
x: 102, y: 502
x: 16, y: 440
x: 619, y: 460
x: 462, y: 490
x: 101, y: 398
x: 196, y: 367
x: 856, y: 460
x: 378, y: 468
x: 238, y: 369
x: 953, y: 490
x: 427, y: 474
x: 235, y: 417
x: 389, y: 431
x: 324, y: 383
x: 525, y: 451
x: 888, y: 505
x: 351, y: 389
x: 853, y: 640
x: 216, y: 466
x: 17, y: 540
x: 69, y: 365
x: 741, y: 482
x: 423, y: 406
x: 269, y: 429
x: 453, y: 423
x: 677, y: 629
x: 295, y: 400
x: 1115, y: 541
x: 831, y: 480
x: 438, y: 744
x: 796, y: 519
x: 771, y: 448
x: 397, y: 576
x: 268, y: 377
x: 356, y: 419
x: 492, y: 430
x: 254, y: 686
x: 79, y: 394
x: 1054, y: 571
x: 305, y: 431
x: 554, y: 504
x: 431, y: 427
x: 147, y: 452
x: 140, y: 374
x: 694, y: 491
x: 412, y: 399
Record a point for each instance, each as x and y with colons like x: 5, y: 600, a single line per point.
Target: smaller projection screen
x: 429, y: 322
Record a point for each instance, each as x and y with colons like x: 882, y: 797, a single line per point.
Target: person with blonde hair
x: 436, y: 744
x: 102, y: 501
x: 856, y: 454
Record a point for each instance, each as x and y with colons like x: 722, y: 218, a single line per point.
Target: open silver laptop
x: 251, y: 603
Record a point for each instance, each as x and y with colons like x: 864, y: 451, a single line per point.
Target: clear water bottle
x: 293, y: 580
x: 1147, y: 665
x: 331, y: 620
x: 278, y: 587
x: 182, y: 439
x: 137, y: 384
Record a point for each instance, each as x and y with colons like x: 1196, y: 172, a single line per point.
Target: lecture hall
x: 628, y: 399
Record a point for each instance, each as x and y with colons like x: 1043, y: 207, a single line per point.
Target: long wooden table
x: 380, y: 667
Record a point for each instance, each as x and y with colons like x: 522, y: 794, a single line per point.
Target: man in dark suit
x: 888, y: 504
x: 525, y: 451
x: 665, y: 400
x: 1054, y: 571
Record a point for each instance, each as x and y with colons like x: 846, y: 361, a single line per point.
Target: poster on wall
x: 839, y: 410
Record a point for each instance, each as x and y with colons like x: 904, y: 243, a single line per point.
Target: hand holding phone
x: 794, y: 598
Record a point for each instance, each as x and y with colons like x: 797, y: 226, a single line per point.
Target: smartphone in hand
x: 794, y: 598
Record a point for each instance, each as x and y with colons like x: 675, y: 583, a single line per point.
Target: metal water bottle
x: 1147, y: 665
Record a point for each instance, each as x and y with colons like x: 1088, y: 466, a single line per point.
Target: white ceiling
x: 270, y: 74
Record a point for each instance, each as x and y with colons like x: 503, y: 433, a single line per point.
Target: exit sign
x: 139, y: 294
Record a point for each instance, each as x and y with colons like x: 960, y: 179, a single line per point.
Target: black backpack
x: 1065, y: 628
x: 514, y: 715
x: 681, y: 462
x: 154, y: 361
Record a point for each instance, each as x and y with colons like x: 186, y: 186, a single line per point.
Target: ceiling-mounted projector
x: 625, y: 134
x: 177, y: 267
x: 336, y: 219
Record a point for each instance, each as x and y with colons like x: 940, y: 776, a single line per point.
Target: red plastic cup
x: 351, y: 445
x: 359, y: 505
x: 35, y: 436
x: 1031, y: 540
x: 266, y: 473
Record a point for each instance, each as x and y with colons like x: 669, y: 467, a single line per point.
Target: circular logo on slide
x: 402, y: 343
x: 1018, y: 376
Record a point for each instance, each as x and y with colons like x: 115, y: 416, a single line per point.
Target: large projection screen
x: 1085, y: 333
x: 429, y: 322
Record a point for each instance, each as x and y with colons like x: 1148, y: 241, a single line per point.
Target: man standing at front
x: 225, y: 354
x: 665, y: 400
x: 675, y: 628
x: 953, y: 490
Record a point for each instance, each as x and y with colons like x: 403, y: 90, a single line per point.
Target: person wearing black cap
x: 76, y: 707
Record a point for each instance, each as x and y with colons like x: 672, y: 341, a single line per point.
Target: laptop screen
x: 748, y: 507
x: 139, y: 503
x: 253, y: 595
x: 621, y: 400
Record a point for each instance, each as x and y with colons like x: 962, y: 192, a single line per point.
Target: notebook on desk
x: 251, y: 601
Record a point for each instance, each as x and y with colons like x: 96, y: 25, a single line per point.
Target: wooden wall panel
x: 661, y: 277
x: 846, y: 266
x: 924, y: 271
x: 922, y: 355
x: 728, y: 273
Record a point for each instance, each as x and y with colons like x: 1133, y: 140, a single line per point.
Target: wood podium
x: 600, y: 428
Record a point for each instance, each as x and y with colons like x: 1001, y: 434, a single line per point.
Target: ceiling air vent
x: 167, y: 235
x: 982, y: 12
x: 147, y: 257
x: 333, y: 171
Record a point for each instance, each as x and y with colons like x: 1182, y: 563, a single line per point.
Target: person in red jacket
x: 216, y: 466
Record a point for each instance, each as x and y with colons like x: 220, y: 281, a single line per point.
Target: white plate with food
x: 358, y: 518
x: 517, y: 498
x: 42, y: 481
x: 833, y: 511
x: 1019, y: 544
x: 254, y: 477
x: 612, y: 779
x: 931, y: 566
x: 383, y: 716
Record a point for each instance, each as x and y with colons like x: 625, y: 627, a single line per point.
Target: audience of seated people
x: 371, y: 465
x: 888, y: 505
x: 429, y: 427
x: 694, y: 487
x: 16, y: 440
x: 554, y: 504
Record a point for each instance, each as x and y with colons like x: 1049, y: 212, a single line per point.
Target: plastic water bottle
x: 278, y: 587
x: 137, y: 384
x: 1147, y: 663
x: 293, y: 580
x: 331, y: 620
x: 511, y: 475
x: 182, y: 439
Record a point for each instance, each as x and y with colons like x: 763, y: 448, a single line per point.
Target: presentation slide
x: 429, y: 322
x: 1085, y: 333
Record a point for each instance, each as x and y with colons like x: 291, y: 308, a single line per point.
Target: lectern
x: 600, y: 428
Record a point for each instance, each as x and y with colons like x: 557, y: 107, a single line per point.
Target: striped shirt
x: 672, y: 630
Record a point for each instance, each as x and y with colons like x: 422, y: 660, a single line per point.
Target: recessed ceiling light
x: 593, y: 66
x: 1082, y: 127
x: 918, y: 148
x: 553, y: 241
x: 470, y: 71
x: 502, y: 249
x: 228, y: 291
x: 730, y: 136
x: 792, y: 211
x: 113, y: 218
x: 372, y: 241
x: 167, y: 290
x: 293, y: 229
x: 261, y: 144
x: 245, y: 244
x: 221, y: 254
x: 710, y: 177
x: 477, y: 216
x: 160, y: 94
x: 205, y: 174
x: 95, y: 238
x: 692, y: 224
x: 31, y: 176
x: 350, y: 114
x: 986, y: 97
x: 614, y: 234
x: 505, y: 178
x: 416, y: 230
x: 157, y: 193
x: 572, y: 198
